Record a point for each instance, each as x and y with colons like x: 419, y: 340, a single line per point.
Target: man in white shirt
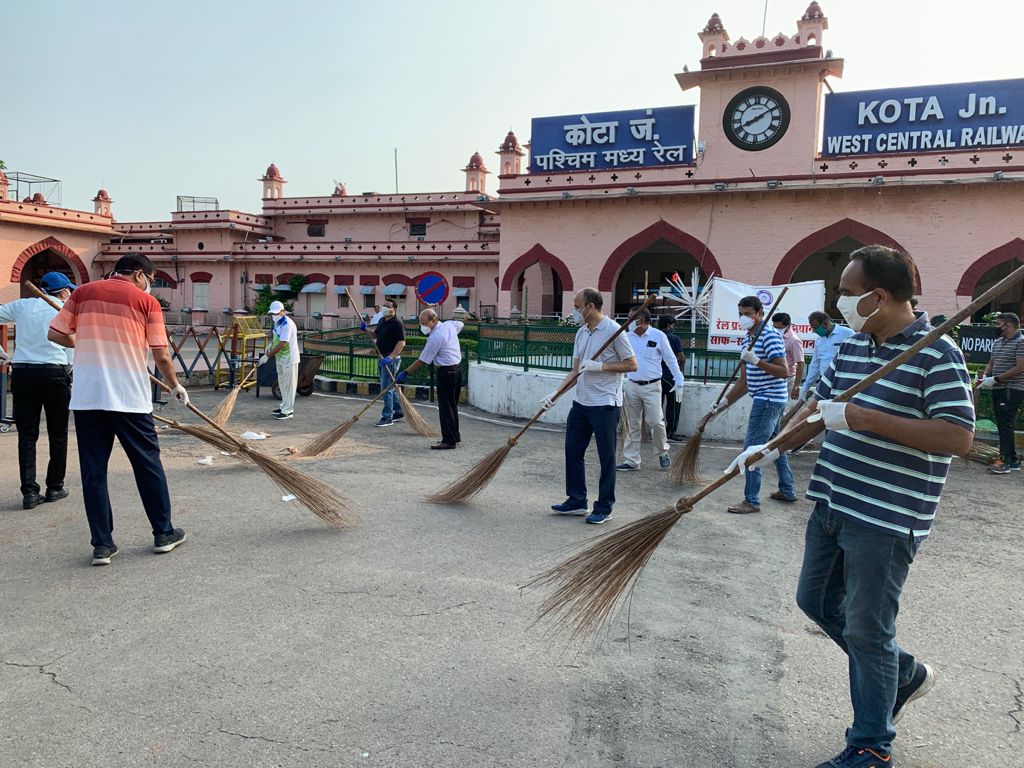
x: 595, y: 408
x: 41, y: 382
x: 641, y: 391
x: 443, y: 350
x: 285, y: 351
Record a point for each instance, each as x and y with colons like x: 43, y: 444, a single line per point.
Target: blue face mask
x: 821, y: 331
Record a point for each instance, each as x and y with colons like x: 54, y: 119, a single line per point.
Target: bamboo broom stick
x: 222, y: 413
x: 686, y: 464
x: 477, y: 478
x: 416, y: 421
x: 322, y: 445
x: 589, y: 586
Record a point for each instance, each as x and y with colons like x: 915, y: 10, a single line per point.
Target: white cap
x: 275, y: 307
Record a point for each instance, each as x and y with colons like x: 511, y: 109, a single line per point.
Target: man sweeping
x: 113, y: 324
x: 595, y: 406
x: 285, y: 351
x: 443, y: 350
x: 389, y: 336
x: 41, y: 382
x: 1004, y: 377
x: 876, y: 486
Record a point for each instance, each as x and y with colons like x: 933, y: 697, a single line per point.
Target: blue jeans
x: 392, y: 405
x: 762, y: 427
x: 96, y: 431
x: 850, y: 585
x: 600, y: 422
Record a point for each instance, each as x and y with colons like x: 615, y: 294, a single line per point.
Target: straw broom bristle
x: 686, y: 463
x: 473, y: 481
x: 414, y: 419
x: 322, y: 445
x: 591, y: 585
x: 223, y: 411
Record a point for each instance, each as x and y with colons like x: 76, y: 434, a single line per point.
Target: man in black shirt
x: 670, y: 405
x: 389, y: 336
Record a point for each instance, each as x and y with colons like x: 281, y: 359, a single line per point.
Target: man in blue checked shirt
x: 876, y: 486
x: 763, y: 376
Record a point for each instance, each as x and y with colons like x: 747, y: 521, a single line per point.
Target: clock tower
x: 760, y: 100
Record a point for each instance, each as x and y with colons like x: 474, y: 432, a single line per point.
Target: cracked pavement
x: 271, y: 640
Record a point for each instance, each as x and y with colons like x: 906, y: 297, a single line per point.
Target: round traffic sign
x: 432, y: 288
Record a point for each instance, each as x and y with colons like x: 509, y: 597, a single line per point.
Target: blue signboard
x: 631, y: 139
x: 925, y: 118
x: 432, y: 288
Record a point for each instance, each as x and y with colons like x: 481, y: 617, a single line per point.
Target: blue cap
x: 53, y: 282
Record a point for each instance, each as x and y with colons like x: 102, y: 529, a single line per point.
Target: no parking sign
x: 432, y: 288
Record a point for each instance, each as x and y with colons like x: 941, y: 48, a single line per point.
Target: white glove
x: 678, y: 390
x: 4, y: 357
x: 748, y: 356
x: 717, y: 408
x: 591, y: 366
x: 988, y: 382
x: 263, y: 359
x: 179, y: 392
x: 740, y: 462
x: 833, y: 414
x: 549, y: 401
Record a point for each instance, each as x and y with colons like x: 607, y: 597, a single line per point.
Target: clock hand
x: 756, y: 117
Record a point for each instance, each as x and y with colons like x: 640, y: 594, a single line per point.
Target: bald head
x: 428, y: 317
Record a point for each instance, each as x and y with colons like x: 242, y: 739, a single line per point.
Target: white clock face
x: 756, y: 118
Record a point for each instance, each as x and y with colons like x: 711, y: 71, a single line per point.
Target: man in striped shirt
x: 763, y: 376
x: 1004, y: 375
x: 113, y: 325
x: 876, y: 486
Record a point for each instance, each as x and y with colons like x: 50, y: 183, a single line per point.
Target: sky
x: 154, y: 100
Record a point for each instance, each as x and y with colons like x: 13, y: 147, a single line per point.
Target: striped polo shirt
x: 1007, y: 354
x: 872, y: 479
x: 761, y: 385
x: 115, y: 325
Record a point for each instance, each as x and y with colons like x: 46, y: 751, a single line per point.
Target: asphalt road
x: 270, y: 640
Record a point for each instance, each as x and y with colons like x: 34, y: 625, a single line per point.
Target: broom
x: 323, y: 445
x: 319, y: 498
x: 222, y: 412
x: 590, y: 585
x: 477, y: 478
x: 686, y: 464
x: 412, y: 416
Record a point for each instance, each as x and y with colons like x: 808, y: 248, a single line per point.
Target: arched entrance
x: 49, y: 255
x: 989, y: 270
x: 660, y: 250
x: 538, y: 279
x: 825, y: 254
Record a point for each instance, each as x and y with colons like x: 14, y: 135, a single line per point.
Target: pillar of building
x: 476, y: 174
x: 101, y: 203
x: 511, y: 156
x: 273, y: 183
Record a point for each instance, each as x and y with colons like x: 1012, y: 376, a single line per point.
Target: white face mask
x: 632, y: 326
x: 746, y: 322
x: 847, y: 306
x: 425, y: 329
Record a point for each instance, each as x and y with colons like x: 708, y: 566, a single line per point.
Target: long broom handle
x: 786, y: 440
x: 571, y: 381
x: 373, y: 338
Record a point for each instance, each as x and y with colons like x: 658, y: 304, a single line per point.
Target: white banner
x: 724, y: 332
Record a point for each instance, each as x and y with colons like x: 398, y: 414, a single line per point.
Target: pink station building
x: 782, y: 181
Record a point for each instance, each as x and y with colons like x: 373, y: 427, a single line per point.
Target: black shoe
x: 398, y: 417
x: 924, y: 681
x: 283, y: 416
x: 31, y: 501
x: 676, y: 439
x: 276, y: 411
x: 384, y: 422
x: 442, y: 446
x: 165, y: 542
x: 102, y: 555
x: 56, y: 494
x: 570, y: 507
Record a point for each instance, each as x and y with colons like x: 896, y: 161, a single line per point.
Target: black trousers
x: 39, y: 388
x: 449, y: 387
x: 1007, y: 402
x: 670, y: 407
x: 600, y: 422
x: 96, y: 431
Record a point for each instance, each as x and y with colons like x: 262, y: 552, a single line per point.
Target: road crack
x: 438, y: 612
x: 42, y: 669
x: 1015, y: 713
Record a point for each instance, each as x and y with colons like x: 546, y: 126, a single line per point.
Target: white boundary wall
x: 510, y: 391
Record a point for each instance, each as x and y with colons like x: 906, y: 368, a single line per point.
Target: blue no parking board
x: 432, y: 288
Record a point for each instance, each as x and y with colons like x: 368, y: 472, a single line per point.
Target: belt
x: 644, y: 383
x: 448, y: 367
x: 40, y: 365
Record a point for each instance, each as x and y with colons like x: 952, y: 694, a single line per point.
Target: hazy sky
x: 155, y: 99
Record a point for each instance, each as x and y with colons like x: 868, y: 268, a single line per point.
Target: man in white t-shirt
x: 595, y: 408
x: 285, y: 351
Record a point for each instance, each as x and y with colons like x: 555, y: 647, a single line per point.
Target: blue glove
x: 362, y: 326
x: 385, y: 361
x: 402, y: 376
